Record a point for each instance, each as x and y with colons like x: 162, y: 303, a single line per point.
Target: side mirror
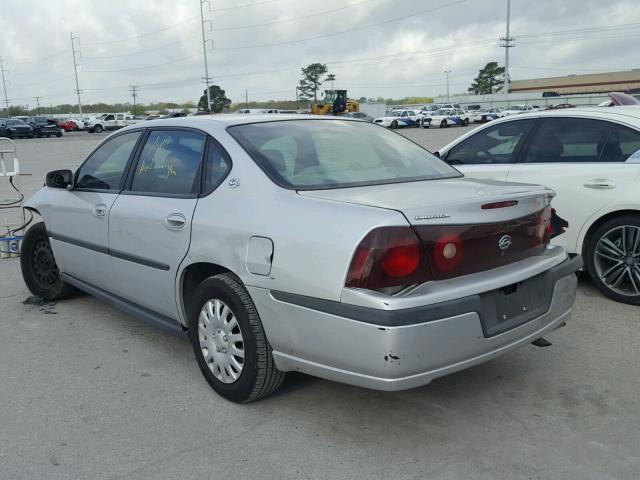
x: 59, y: 179
x: 437, y: 154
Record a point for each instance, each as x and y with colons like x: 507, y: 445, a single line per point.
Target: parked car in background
x: 561, y: 106
x: 110, y: 121
x: 43, y: 127
x: 431, y: 272
x: 447, y: 117
x: 473, y: 108
x: 68, y: 125
x: 400, y: 119
x: 484, y: 115
x: 15, y: 128
x: 517, y: 110
x: 591, y: 158
x: 359, y: 116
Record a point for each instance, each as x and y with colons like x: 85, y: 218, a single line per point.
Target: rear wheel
x: 612, y: 258
x: 39, y: 269
x: 229, y: 342
x: 443, y: 124
x: 465, y: 122
x: 394, y: 125
x: 97, y: 129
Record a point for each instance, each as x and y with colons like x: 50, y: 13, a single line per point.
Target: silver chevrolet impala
x: 321, y: 245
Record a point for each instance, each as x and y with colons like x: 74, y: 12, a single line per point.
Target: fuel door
x: 259, y: 255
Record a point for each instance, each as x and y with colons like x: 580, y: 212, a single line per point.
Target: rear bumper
x: 397, y: 351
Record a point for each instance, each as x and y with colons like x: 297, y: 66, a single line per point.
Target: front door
x: 79, y: 222
x: 491, y: 152
x: 150, y: 223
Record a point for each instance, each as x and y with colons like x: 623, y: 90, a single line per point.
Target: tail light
x: 388, y: 257
x: 391, y: 258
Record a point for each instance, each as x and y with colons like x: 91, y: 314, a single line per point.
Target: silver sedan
x: 323, y: 245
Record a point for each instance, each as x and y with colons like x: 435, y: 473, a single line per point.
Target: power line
x: 286, y: 20
x: 245, y: 5
x: 342, y: 32
x: 143, y: 67
x: 126, y: 39
x: 181, y: 42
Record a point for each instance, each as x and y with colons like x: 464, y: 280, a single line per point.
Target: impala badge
x: 431, y: 217
x: 504, y: 242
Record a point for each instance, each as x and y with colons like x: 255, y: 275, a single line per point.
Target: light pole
x: 204, y: 53
x: 507, y: 43
x: 447, y: 72
x: 297, y: 100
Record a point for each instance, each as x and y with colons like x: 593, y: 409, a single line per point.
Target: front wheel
x: 394, y: 125
x: 229, y: 342
x: 612, y: 258
x: 39, y: 269
x: 443, y: 124
x: 97, y: 129
x: 465, y: 122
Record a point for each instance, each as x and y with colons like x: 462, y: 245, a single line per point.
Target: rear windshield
x: 320, y: 154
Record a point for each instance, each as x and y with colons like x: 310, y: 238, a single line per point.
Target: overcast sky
x: 389, y: 48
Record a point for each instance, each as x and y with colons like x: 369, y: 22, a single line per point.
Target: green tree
x: 489, y: 80
x: 312, y: 78
x: 219, y: 100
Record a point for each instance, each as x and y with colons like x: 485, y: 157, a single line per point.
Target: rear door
x: 584, y: 161
x: 78, y: 225
x: 491, y: 152
x: 150, y: 222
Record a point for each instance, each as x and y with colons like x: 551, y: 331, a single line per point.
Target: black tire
x: 97, y: 129
x: 30, y: 136
x: 589, y: 254
x: 9, y: 134
x: 48, y: 136
x: 418, y: 123
x: 259, y: 376
x: 443, y: 124
x: 39, y: 269
x: 58, y: 135
x: 465, y: 122
x: 394, y: 125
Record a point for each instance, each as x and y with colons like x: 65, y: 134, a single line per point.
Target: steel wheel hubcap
x: 221, y: 340
x: 617, y: 260
x: 44, y: 265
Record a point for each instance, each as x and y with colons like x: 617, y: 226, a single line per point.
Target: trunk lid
x: 465, y: 225
x: 452, y: 201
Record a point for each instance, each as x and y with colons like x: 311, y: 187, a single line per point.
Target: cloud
x: 375, y: 47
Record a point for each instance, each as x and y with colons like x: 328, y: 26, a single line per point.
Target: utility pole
x: 4, y: 84
x: 297, y: 100
x: 75, y: 70
x: 37, y: 99
x: 206, y: 79
x: 134, y: 93
x: 246, y: 98
x: 507, y: 43
x: 447, y: 72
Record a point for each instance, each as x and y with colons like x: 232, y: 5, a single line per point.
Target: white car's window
x: 623, y: 142
x: 497, y: 144
x: 573, y: 140
x: 337, y: 153
x: 104, y: 169
x: 169, y: 163
x: 282, y: 152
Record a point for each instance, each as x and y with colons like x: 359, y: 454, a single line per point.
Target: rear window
x: 320, y: 154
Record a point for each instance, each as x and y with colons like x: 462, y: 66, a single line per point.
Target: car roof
x: 628, y: 114
x: 215, y: 123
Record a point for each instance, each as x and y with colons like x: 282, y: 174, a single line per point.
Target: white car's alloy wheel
x: 221, y: 341
x: 617, y: 260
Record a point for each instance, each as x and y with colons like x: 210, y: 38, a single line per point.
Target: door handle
x: 100, y: 210
x: 175, y: 221
x: 600, y: 184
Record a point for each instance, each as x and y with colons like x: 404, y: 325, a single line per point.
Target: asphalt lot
x: 87, y: 392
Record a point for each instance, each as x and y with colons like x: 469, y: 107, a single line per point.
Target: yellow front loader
x: 335, y: 103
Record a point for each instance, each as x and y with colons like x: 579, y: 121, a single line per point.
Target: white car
x: 447, y: 117
x: 484, y: 115
x: 400, y: 118
x: 591, y: 158
x: 517, y: 110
